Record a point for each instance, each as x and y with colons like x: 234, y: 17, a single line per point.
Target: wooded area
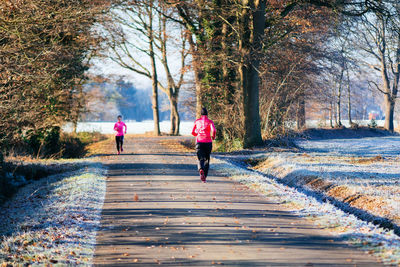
x: 256, y: 65
x: 44, y: 50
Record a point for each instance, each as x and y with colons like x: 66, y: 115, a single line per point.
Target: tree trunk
x: 389, y: 112
x: 389, y: 101
x: 331, y: 115
x: 75, y: 126
x: 198, y: 73
x: 154, y: 77
x: 249, y: 46
x: 156, y: 116
x: 301, y: 114
x: 338, y: 108
x: 339, y: 100
x: 227, y: 71
x: 349, y: 97
x: 172, y: 89
x: 175, y: 118
x: 349, y: 104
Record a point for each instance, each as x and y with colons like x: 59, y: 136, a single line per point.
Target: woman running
x: 119, y: 136
x: 204, y: 130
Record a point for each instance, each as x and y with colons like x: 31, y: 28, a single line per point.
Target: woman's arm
x: 214, y: 132
x: 194, y: 132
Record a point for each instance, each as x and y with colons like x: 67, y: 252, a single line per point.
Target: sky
x: 106, y: 67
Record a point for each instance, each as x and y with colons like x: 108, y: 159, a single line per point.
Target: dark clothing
x: 203, y: 151
x: 120, y: 141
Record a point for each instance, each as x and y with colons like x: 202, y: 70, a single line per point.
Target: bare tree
x: 147, y: 19
x: 172, y: 88
x: 136, y: 19
x: 380, y: 37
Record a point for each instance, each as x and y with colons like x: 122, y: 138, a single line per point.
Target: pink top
x: 119, y: 127
x: 202, y: 129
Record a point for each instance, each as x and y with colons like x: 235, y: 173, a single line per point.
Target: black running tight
x: 203, y: 151
x: 120, y: 141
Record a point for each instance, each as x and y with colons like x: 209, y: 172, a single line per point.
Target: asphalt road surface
x: 157, y: 212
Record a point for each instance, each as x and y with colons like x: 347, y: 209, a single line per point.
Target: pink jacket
x: 119, y: 127
x: 202, y: 129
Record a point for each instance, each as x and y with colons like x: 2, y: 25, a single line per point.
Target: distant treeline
x: 107, y: 99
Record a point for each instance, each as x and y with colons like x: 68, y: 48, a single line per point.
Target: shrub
x: 228, y: 145
x: 51, y: 143
x: 354, y: 126
x: 91, y: 137
x: 373, y: 124
x: 44, y: 142
x: 72, y: 147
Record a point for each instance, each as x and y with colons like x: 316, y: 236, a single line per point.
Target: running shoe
x: 202, y: 176
x: 122, y: 150
x: 118, y: 153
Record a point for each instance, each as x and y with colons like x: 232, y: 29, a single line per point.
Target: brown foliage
x: 44, y: 49
x: 288, y: 62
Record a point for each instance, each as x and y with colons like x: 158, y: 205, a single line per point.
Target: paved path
x: 156, y: 211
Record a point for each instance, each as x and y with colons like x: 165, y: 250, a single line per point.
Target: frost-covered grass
x: 53, y: 220
x: 374, y: 240
x: 371, y: 146
x: 367, y: 183
x: 331, y: 181
x: 363, y: 173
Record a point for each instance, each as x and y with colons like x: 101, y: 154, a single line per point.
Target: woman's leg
x: 200, y: 156
x: 117, y: 142
x: 122, y: 143
x: 207, y: 152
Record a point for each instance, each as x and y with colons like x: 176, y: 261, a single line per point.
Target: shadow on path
x: 158, y: 212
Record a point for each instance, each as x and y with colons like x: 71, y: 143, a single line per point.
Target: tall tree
x: 252, y: 27
x: 380, y: 36
x: 134, y: 20
x: 173, y: 86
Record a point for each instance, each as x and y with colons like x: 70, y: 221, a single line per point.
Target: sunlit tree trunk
x: 301, y: 114
x: 349, y: 99
x: 154, y: 77
x: 252, y: 13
